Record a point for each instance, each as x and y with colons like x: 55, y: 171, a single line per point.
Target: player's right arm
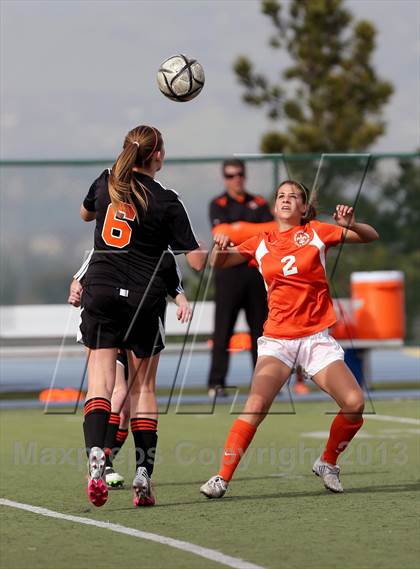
x: 223, y: 255
x: 197, y: 258
x: 181, y: 235
x: 75, y: 293
x: 184, y: 310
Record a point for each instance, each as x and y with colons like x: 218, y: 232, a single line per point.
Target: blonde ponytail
x: 139, y: 146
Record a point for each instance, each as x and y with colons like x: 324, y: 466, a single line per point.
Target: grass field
x: 276, y: 513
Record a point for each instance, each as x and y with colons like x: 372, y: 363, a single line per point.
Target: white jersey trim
x: 83, y: 269
x: 165, y: 188
x: 320, y: 245
x: 260, y: 252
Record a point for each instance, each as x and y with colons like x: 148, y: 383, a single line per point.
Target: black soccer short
x: 116, y: 318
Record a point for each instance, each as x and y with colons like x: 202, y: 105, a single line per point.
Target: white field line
x: 211, y: 554
x: 406, y: 420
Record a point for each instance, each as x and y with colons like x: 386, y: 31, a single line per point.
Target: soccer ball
x: 180, y: 78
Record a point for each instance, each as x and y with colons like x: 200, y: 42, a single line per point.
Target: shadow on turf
x: 391, y: 488
x: 274, y: 475
x: 200, y: 482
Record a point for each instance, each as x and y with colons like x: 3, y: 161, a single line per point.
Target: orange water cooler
x: 378, y: 305
x: 343, y: 329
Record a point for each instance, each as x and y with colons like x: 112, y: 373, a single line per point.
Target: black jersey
x: 225, y: 209
x: 168, y: 270
x: 127, y: 251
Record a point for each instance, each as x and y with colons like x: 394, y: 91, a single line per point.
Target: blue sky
x: 76, y: 75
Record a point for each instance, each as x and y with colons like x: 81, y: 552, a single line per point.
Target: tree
x: 399, y: 220
x: 335, y: 97
x: 399, y: 227
x: 395, y: 213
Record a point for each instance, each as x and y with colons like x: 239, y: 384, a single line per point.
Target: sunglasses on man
x: 235, y: 175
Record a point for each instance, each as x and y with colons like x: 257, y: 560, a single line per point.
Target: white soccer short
x: 313, y: 353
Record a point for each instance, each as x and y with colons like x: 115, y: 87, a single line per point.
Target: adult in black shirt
x: 124, y: 297
x: 240, y: 286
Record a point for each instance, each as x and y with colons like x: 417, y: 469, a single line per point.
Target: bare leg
x: 269, y: 377
x: 337, y: 380
x: 142, y: 387
x: 101, y: 373
x: 120, y: 394
x: 144, y: 414
x: 101, y: 379
x: 118, y: 424
x: 125, y: 414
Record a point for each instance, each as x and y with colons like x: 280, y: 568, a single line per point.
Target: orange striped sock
x: 341, y: 433
x: 239, y: 438
x: 143, y: 424
x: 97, y: 404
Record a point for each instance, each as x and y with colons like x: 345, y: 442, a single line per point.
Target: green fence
x: 44, y: 240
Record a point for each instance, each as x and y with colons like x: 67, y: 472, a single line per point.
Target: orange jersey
x: 292, y: 264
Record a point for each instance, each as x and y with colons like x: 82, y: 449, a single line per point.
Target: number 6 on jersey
x: 116, y: 231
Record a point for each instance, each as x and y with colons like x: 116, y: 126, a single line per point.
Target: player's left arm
x: 355, y: 232
x: 87, y: 215
x: 88, y: 207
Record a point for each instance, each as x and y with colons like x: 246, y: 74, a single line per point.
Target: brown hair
x: 234, y: 162
x: 139, y: 146
x: 305, y: 193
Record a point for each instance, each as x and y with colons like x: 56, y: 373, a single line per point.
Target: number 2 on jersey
x: 289, y: 267
x: 116, y: 232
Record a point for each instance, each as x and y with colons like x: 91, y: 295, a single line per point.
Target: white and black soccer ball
x: 180, y: 78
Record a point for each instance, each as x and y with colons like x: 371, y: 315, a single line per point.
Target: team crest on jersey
x: 301, y: 238
x: 252, y: 204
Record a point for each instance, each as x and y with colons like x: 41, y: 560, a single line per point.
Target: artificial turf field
x: 276, y: 513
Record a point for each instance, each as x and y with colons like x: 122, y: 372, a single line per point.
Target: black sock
x: 96, y: 412
x: 145, y: 440
x: 111, y: 437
